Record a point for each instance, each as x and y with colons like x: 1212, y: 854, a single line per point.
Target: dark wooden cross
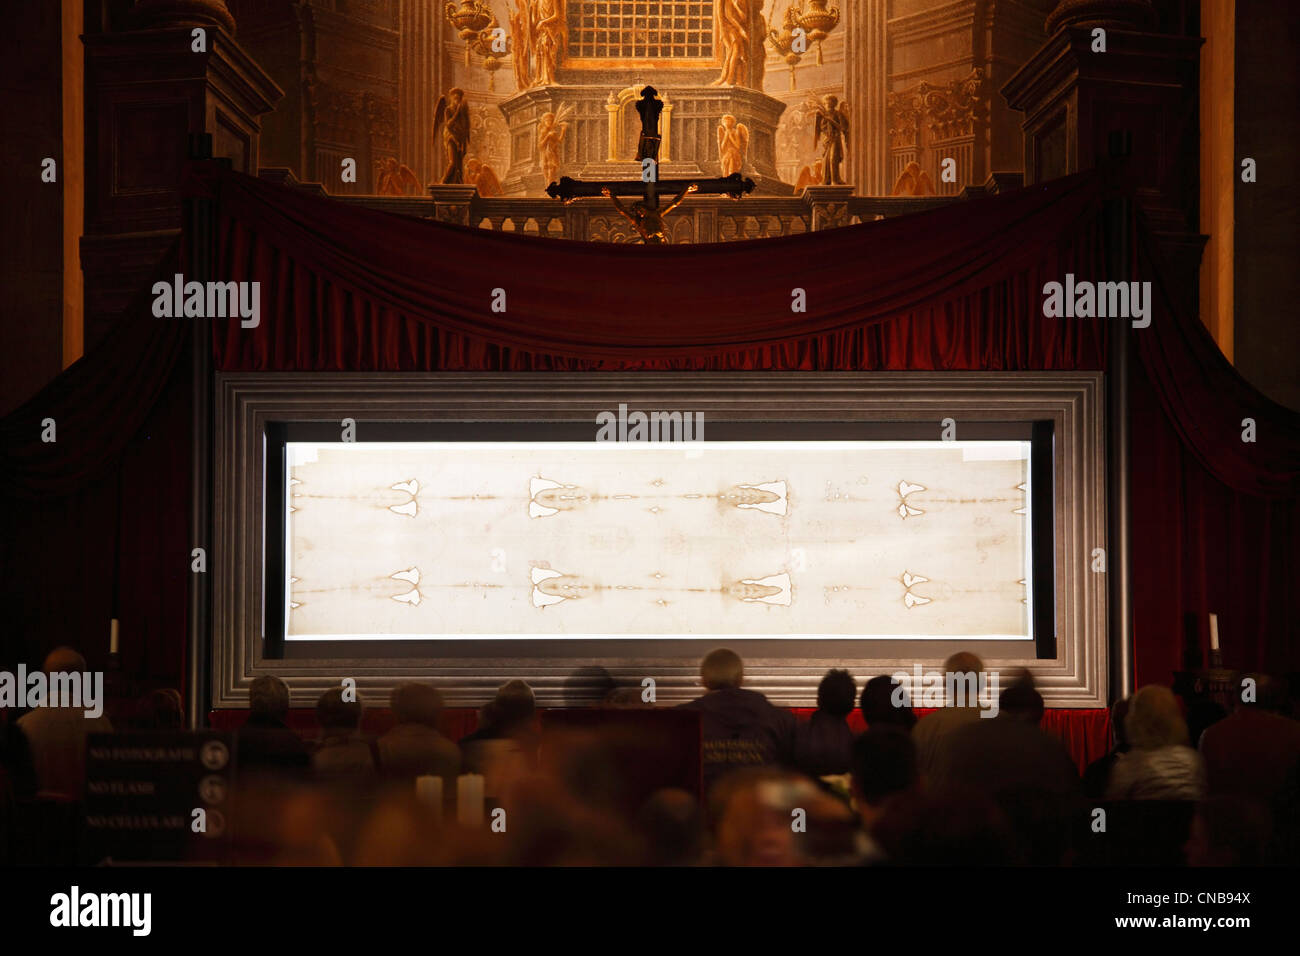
x: 649, y: 106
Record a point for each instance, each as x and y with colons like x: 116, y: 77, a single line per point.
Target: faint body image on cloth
x: 646, y: 539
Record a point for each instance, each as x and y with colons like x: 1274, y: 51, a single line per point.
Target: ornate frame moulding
x: 246, y: 402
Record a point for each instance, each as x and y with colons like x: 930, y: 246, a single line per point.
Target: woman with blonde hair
x: 1159, y: 764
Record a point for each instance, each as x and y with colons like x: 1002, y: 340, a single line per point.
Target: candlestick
x: 112, y: 637
x: 469, y: 799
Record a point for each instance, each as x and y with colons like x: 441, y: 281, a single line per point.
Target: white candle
x: 428, y: 790
x: 1214, y: 632
x: 469, y: 799
x: 112, y: 637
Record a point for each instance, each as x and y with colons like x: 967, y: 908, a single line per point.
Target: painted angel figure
x: 395, y: 179
x: 551, y: 129
x: 482, y: 177
x: 733, y: 144
x: 830, y: 127
x: 808, y: 176
x: 913, y: 181
x: 451, y: 118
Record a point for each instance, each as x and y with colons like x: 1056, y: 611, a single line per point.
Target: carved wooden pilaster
x: 1146, y: 84
x: 1072, y: 99
x: 1121, y: 14
x: 147, y: 14
x: 148, y: 92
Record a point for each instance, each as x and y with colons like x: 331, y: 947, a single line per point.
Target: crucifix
x: 645, y: 215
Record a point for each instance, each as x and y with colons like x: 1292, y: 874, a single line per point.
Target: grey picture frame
x: 244, y: 403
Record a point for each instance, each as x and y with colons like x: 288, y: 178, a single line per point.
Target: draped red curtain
x: 349, y: 289
x: 93, y: 525
x: 1200, y: 546
x: 1216, y: 518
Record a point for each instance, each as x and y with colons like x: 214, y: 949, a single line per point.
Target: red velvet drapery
x: 94, y: 524
x: 1216, y: 519
x: 349, y: 289
x: 344, y: 288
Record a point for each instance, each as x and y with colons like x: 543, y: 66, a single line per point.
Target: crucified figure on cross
x: 645, y: 215
x: 647, y: 220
